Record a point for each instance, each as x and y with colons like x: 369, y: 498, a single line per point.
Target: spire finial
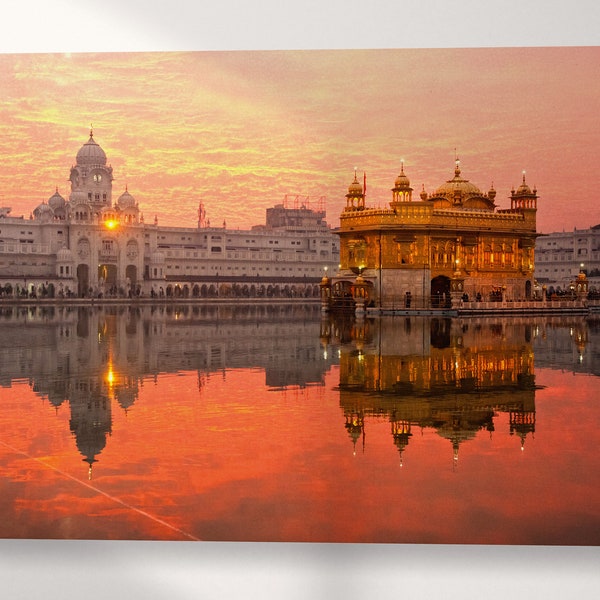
x: 91, y: 130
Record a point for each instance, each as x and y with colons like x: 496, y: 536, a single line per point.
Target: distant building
x: 560, y: 256
x: 88, y: 245
x: 446, y: 246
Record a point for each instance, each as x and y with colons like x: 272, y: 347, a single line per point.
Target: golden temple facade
x: 449, y: 246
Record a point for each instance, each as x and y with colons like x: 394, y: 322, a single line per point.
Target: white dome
x: 56, y: 201
x: 43, y: 212
x: 90, y: 154
x: 126, y: 200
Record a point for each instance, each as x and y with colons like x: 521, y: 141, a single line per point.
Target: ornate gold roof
x: 355, y: 187
x: 458, y: 183
x: 402, y: 180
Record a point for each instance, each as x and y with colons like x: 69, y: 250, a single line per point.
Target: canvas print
x: 301, y: 296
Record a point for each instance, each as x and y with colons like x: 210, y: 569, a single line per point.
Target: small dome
x: 524, y: 189
x: 43, y: 211
x: 464, y: 186
x: 355, y: 188
x: 56, y: 201
x: 402, y: 180
x: 90, y: 153
x: 126, y: 200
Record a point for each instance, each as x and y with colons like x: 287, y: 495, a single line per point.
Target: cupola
x: 91, y: 154
x: 126, y: 200
x: 524, y: 197
x: 355, y: 198
x: 402, y: 192
x: 56, y: 201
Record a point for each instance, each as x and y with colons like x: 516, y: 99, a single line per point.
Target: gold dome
x: 458, y: 184
x: 402, y: 180
x: 355, y: 187
x: 524, y: 189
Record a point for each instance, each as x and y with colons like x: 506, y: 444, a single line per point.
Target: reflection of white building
x: 561, y: 255
x: 88, y: 244
x: 93, y: 360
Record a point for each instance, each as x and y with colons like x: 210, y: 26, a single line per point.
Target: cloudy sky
x: 238, y: 130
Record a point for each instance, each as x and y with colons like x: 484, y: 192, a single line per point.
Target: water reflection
x: 274, y: 423
x: 96, y: 357
x: 455, y: 376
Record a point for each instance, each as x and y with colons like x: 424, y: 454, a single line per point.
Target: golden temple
x: 449, y: 246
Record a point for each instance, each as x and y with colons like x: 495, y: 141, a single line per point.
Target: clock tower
x: 91, y: 180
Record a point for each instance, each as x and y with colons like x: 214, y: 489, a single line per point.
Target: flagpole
x: 364, y: 183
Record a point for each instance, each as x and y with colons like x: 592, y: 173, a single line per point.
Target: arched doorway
x: 131, y: 274
x: 83, y: 279
x: 528, y: 290
x: 440, y: 291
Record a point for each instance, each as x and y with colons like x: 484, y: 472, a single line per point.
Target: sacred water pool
x: 275, y: 423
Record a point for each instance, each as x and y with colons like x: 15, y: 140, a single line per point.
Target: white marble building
x: 88, y: 245
x: 560, y: 256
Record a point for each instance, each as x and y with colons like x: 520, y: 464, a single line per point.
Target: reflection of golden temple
x: 447, y: 375
x: 522, y: 422
x: 401, y: 433
x: 355, y: 425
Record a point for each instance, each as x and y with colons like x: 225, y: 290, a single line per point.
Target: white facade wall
x: 559, y: 257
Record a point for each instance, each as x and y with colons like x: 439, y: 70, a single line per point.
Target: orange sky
x: 239, y: 130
